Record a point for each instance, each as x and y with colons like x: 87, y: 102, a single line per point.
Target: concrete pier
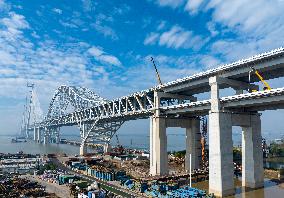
x: 252, y: 158
x: 158, y: 147
x: 45, y: 139
x: 35, y: 134
x: 38, y: 135
x: 158, y: 143
x: 107, y: 148
x: 57, y: 139
x: 221, y: 144
x: 221, y: 169
x: 193, y: 145
x: 83, y: 149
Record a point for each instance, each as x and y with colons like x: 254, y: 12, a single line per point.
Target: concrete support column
x: 57, y: 139
x: 193, y: 145
x: 46, y: 136
x: 35, y: 134
x: 38, y: 135
x: 45, y: 139
x: 107, y: 148
x: 158, y: 146
x: 252, y: 158
x: 83, y: 149
x: 221, y: 168
x: 215, y: 102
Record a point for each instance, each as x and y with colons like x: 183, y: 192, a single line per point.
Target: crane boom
x: 262, y: 80
x: 266, y: 85
x: 157, y: 73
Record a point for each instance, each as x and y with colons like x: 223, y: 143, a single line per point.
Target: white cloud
x: 254, y: 16
x: 151, y: 38
x: 110, y: 59
x: 170, y: 3
x: 4, y: 6
x: 161, y: 25
x: 95, y: 51
x: 211, y: 26
x: 6, y: 58
x: 57, y: 10
x: 100, y: 25
x: 35, y: 35
x: 209, y: 62
x: 176, y: 37
x: 68, y: 24
x: 101, y: 56
x: 193, y: 5
x: 46, y: 64
x: 170, y: 68
x: 14, y: 21
x: 107, y: 31
x: 88, y: 5
x: 258, y: 26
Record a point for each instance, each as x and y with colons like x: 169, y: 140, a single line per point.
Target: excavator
x: 266, y: 85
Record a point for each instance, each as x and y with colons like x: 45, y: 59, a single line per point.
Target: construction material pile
x: 137, y: 168
x: 51, y: 176
x: 16, y: 187
x: 164, y: 189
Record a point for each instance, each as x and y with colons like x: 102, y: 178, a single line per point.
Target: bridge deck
x: 256, y: 101
x: 271, y: 64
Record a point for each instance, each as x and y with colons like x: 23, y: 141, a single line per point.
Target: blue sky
x: 106, y: 45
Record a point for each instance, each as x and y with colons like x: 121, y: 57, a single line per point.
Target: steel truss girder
x: 135, y: 106
x: 52, y: 133
x: 98, y: 131
x: 97, y: 118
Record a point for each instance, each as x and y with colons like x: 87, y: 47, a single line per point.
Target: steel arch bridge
x: 175, y: 104
x: 98, y: 119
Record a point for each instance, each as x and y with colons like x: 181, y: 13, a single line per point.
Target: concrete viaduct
x: 177, y: 104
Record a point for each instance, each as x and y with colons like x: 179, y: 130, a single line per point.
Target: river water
x: 31, y: 147
x: 271, y: 190
x: 139, y: 141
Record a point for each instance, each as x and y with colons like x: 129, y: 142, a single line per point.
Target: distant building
x: 20, y: 165
x: 278, y: 141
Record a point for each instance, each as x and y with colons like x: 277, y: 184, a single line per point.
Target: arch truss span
x: 78, y: 98
x: 69, y: 99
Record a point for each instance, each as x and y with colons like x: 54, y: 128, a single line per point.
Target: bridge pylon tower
x: 32, y: 114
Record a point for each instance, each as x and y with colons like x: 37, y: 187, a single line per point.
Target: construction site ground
x: 59, y: 190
